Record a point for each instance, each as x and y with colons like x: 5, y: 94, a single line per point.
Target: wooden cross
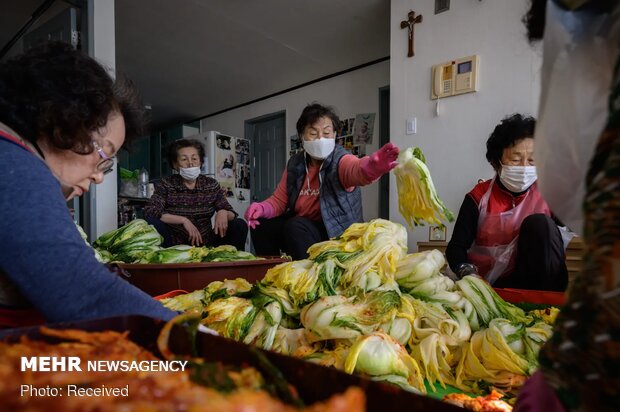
x: 408, y: 24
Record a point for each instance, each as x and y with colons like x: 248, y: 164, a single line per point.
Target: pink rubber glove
x: 380, y: 162
x: 257, y: 210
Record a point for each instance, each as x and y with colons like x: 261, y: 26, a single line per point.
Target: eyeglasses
x: 106, y: 163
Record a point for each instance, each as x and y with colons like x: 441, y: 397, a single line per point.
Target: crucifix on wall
x: 408, y: 24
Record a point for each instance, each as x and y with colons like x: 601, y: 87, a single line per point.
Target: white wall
x: 101, y: 46
x: 454, y: 142
x: 350, y: 93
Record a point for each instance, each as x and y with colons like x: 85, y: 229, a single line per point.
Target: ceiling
x: 192, y: 58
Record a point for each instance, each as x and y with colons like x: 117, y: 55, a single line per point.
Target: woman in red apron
x: 505, y: 231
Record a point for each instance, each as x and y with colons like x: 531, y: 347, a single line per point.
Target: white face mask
x: 517, y: 178
x: 321, y: 148
x: 189, y: 173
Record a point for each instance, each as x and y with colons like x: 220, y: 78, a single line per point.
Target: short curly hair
x: 63, y: 95
x: 314, y: 112
x: 173, y: 149
x: 509, y: 132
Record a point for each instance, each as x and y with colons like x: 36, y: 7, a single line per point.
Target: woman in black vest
x: 318, y: 196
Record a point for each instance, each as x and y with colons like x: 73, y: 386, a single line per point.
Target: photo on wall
x: 295, y: 142
x: 359, y: 150
x: 343, y: 128
x: 243, y: 195
x: 242, y: 166
x: 348, y: 142
x: 243, y: 159
x: 437, y: 233
x: 224, y: 142
x: 228, y: 191
x: 346, y: 127
x: 363, y: 128
x: 242, y: 146
x: 243, y: 176
x: 225, y: 169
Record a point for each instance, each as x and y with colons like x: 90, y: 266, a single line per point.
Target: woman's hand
x: 381, y: 161
x: 254, y: 211
x: 221, y: 222
x: 195, y: 239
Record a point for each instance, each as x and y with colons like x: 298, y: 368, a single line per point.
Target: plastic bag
x: 580, y: 51
x: 129, y: 182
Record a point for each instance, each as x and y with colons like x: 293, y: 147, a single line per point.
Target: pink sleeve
x: 350, y: 172
x: 279, y: 199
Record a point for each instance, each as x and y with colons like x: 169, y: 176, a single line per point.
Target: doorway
x: 267, y: 135
x: 384, y: 137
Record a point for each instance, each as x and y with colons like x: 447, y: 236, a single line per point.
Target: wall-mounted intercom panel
x: 458, y: 76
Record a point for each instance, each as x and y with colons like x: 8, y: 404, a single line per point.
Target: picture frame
x: 224, y: 142
x: 348, y: 142
x: 242, y: 146
x: 363, y: 128
x: 437, y: 234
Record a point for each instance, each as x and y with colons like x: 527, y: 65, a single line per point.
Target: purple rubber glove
x: 380, y: 162
x: 258, y: 210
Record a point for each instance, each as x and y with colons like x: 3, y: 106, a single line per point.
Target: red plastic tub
x: 159, y: 279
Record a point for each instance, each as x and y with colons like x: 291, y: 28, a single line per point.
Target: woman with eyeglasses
x: 318, y: 196
x: 62, y: 121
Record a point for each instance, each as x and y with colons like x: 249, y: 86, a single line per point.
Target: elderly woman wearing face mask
x: 318, y: 196
x: 183, y: 204
x: 62, y: 121
x: 505, y: 230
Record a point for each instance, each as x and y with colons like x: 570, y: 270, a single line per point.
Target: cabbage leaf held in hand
x: 418, y: 201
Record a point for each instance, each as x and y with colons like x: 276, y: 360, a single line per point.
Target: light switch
x: 412, y: 126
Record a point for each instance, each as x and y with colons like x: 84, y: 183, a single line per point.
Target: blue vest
x: 339, y: 208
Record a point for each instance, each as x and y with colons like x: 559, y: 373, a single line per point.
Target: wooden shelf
x: 441, y: 246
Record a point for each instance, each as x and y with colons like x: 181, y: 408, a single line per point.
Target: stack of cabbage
x: 84, y: 237
x: 418, y: 201
x: 361, y: 304
x: 139, y: 242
